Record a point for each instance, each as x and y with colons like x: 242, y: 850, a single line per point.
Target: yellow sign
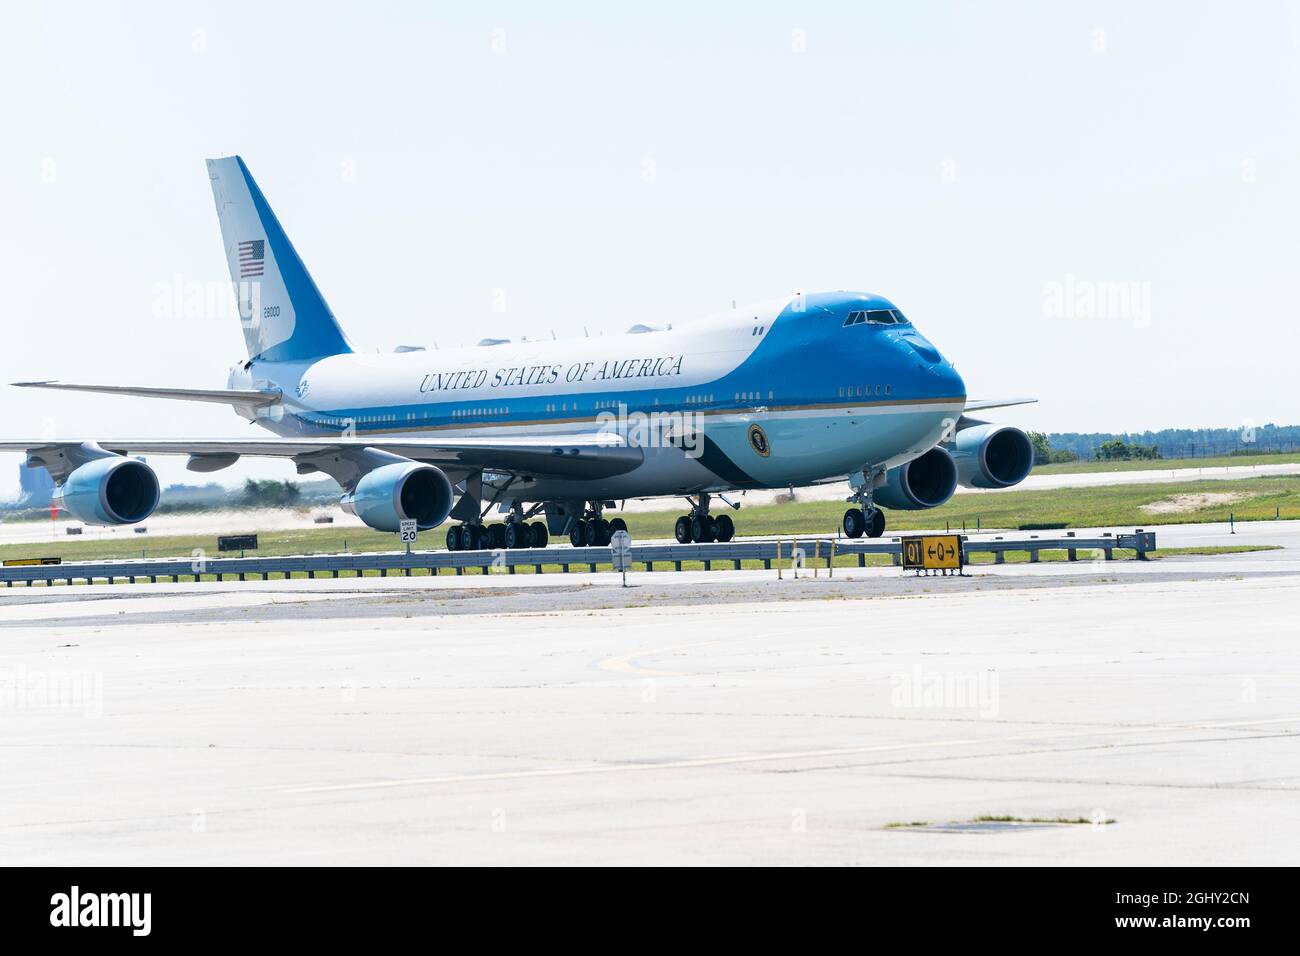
x: 28, y: 562
x: 932, y: 552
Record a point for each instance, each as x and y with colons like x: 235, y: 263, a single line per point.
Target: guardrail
x: 813, y: 551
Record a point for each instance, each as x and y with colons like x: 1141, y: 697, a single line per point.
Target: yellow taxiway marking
x: 626, y: 663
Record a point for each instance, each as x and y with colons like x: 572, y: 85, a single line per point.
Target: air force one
x: 808, y: 389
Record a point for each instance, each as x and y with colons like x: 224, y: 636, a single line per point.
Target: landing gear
x: 472, y: 537
x: 598, y: 533
x: 593, y: 531
x: 701, y: 527
x: 507, y: 535
x: 858, y: 522
x: 866, y: 518
x: 517, y: 535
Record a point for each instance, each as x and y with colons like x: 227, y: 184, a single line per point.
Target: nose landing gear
x: 858, y: 522
x: 866, y: 518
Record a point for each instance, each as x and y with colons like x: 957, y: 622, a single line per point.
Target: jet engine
x: 992, y: 456
x: 387, y: 495
x: 111, y: 490
x: 924, y: 482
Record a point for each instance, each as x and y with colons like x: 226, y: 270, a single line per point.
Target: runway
x: 721, y: 717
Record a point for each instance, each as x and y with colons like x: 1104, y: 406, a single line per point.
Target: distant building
x: 37, y: 486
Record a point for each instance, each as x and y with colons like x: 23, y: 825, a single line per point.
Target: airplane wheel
x: 855, y: 522
x: 877, y: 526
x: 616, y: 524
x: 453, y: 538
x: 496, y: 535
x: 467, y: 542
x: 703, y: 528
x: 597, y: 533
x: 516, y: 535
x: 539, y: 535
x: 726, y: 528
x: 682, y: 530
x: 578, y: 534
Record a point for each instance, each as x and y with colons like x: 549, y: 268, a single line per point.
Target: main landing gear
x: 594, y: 531
x: 507, y: 535
x: 700, y: 527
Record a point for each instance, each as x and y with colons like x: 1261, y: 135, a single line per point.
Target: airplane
x: 806, y: 389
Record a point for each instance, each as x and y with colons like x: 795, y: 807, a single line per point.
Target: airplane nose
x: 950, y: 382
x: 941, y: 376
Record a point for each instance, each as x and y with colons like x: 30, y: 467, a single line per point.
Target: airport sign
x: 933, y: 552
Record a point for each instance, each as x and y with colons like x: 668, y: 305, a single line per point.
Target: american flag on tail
x: 252, y: 257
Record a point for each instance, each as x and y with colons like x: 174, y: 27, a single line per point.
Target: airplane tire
x: 539, y: 536
x: 682, y: 530
x: 597, y: 533
x: 496, y: 535
x: 453, y: 538
x: 616, y: 524
x: 516, y: 535
x: 578, y: 533
x: 470, y: 538
x: 703, y: 529
x: 855, y: 522
x: 877, y: 526
x: 726, y: 528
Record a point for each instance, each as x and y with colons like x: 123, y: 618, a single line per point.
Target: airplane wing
x: 221, y: 396
x: 979, y: 405
x: 552, y: 456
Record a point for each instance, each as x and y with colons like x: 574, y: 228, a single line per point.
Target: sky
x: 1094, y: 204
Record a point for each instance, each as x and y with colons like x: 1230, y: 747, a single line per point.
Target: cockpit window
x: 876, y: 317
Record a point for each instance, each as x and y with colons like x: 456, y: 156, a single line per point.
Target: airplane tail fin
x: 285, y: 318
